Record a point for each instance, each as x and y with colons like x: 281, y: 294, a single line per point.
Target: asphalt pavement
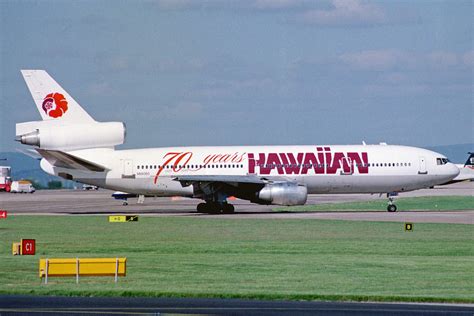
x: 78, y: 202
x: 49, y: 305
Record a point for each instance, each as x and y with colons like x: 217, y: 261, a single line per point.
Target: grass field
x: 248, y: 258
x: 431, y: 203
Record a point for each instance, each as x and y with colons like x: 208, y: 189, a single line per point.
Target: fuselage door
x: 128, y: 169
x: 346, y: 166
x: 422, y: 169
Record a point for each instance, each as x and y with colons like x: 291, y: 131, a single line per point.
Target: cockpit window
x: 442, y: 161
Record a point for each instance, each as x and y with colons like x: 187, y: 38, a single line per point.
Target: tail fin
x: 52, y: 101
x: 470, y: 160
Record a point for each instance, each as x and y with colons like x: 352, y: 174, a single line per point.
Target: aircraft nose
x: 453, y: 170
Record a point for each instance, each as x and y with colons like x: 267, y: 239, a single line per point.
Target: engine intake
x: 284, y: 193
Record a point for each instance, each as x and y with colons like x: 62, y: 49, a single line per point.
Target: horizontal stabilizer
x: 30, y: 153
x: 64, y: 160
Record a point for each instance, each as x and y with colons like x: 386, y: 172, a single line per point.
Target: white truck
x: 22, y: 186
x: 5, y: 178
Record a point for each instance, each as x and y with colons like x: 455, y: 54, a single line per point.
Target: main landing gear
x: 391, y: 207
x: 215, y: 208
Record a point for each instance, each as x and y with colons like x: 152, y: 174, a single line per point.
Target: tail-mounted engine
x: 70, y: 136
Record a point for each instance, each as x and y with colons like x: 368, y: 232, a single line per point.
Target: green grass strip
x: 429, y: 203
x: 248, y: 258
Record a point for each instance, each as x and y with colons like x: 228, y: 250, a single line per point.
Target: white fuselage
x: 321, y: 168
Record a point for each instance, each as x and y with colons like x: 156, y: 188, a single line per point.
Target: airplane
x: 76, y: 147
x: 466, y: 171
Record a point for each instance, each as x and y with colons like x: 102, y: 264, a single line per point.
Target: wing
x: 243, y: 187
x: 64, y: 160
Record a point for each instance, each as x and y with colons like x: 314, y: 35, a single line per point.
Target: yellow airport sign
x: 123, y: 218
x: 408, y: 227
x: 16, y: 249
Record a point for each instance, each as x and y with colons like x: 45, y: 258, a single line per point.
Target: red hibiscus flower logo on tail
x: 55, y: 104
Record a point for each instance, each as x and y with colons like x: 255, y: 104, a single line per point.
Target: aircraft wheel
x: 213, y: 208
x: 124, y: 203
x: 228, y: 208
x: 201, y: 208
x: 392, y: 208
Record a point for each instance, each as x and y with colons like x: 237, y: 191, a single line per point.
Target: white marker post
x: 116, y: 269
x: 46, y: 272
x: 77, y: 270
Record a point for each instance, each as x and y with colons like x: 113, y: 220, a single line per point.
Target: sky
x: 249, y: 72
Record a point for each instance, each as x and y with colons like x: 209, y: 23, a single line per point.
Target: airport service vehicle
x: 76, y: 147
x: 22, y: 186
x: 5, y: 178
x: 123, y: 196
x: 88, y: 187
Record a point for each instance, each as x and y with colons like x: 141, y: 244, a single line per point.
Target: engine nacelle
x: 71, y: 136
x: 284, y: 193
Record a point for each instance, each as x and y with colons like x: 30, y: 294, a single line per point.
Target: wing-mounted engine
x: 252, y: 188
x: 54, y: 135
x: 283, y: 193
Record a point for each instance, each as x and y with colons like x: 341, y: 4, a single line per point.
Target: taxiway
x: 75, y: 202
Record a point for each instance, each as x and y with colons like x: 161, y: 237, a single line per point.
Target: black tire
x: 392, y: 208
x: 201, y: 208
x: 228, y: 208
x: 214, y: 208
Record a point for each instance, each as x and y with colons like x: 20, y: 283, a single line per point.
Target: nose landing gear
x: 391, y: 207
